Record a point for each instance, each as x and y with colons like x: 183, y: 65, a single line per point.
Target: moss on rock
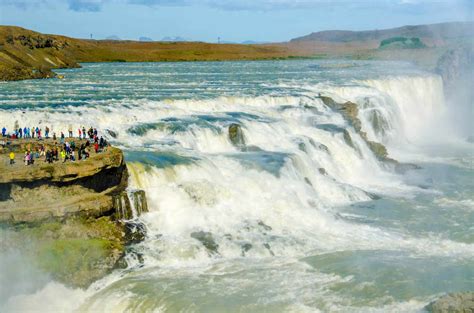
x: 76, y: 252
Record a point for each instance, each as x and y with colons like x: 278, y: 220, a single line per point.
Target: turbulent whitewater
x: 294, y: 218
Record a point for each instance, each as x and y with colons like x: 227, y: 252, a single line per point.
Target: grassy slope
x: 132, y: 51
x: 27, y: 54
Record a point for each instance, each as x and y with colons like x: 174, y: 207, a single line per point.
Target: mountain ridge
x: 439, y: 31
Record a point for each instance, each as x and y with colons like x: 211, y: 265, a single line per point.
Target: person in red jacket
x: 96, y: 147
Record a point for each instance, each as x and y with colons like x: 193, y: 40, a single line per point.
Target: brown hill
x: 432, y: 33
x: 27, y: 54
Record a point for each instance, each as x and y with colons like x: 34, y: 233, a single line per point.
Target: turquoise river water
x: 301, y: 221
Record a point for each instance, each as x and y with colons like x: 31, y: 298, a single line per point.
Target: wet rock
x: 139, y: 201
x: 264, y: 226
x: 322, y: 171
x: 302, y: 147
x: 246, y: 248
x: 348, y: 139
x: 122, y: 206
x: 307, y: 181
x: 111, y: 133
x: 207, y: 241
x: 267, y: 246
x: 135, y: 232
x: 373, y: 196
x: 236, y: 135
x: 75, y: 252
x: 323, y: 147
x: 462, y: 302
x: 378, y: 149
x: 350, y: 111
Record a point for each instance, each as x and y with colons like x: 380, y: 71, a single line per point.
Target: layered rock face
x: 25, y: 54
x: 461, y: 302
x: 70, y: 211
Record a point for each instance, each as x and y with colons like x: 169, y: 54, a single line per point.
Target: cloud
x: 85, y: 5
x: 259, y: 5
x: 22, y: 4
x: 74, y: 5
x: 243, y: 4
x: 268, y: 5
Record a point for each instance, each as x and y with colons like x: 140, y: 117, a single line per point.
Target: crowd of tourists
x: 61, y: 149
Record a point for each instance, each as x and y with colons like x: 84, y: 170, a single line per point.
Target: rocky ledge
x: 461, y: 302
x: 72, y: 218
x: 350, y: 112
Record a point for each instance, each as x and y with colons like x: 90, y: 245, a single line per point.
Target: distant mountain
x: 252, y: 42
x: 246, y: 42
x: 440, y: 31
x: 145, y: 39
x: 113, y: 37
x: 174, y: 39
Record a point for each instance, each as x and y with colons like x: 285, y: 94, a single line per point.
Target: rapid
x: 294, y: 218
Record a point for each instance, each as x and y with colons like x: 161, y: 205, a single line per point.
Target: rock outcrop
x: 350, y: 113
x: 236, y: 135
x: 461, y: 302
x: 65, y: 216
x: 25, y: 54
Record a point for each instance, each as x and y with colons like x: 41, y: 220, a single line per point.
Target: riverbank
x: 25, y: 54
x: 72, y: 212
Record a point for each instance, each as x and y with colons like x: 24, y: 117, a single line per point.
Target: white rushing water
x: 272, y: 225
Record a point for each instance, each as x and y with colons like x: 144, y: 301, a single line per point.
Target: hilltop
x: 25, y: 54
x: 433, y: 34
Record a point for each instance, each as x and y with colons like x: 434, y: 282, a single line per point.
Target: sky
x: 231, y: 20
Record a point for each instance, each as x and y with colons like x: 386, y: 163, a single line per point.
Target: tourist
x: 27, y: 158
x: 25, y: 132
x: 63, y: 156
x: 48, y: 158
x: 79, y: 132
x: 55, y: 154
x: 72, y: 157
x: 4, y: 132
x: 31, y: 159
x: 12, y: 158
x: 62, y: 138
x: 70, y: 131
x: 46, y: 132
x: 83, y: 132
x: 20, y: 132
x: 96, y: 147
x: 42, y: 152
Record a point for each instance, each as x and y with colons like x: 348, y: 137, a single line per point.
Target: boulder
x: 461, y: 302
x: 207, y: 241
x: 236, y: 135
